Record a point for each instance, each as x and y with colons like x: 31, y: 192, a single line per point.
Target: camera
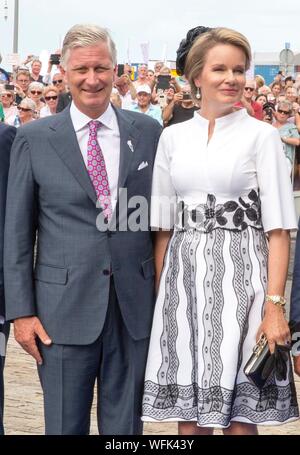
x: 121, y: 70
x: 9, y: 87
x: 269, y: 109
x: 163, y: 82
x: 186, y: 97
x: 55, y: 59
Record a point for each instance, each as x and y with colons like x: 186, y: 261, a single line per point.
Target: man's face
x: 249, y: 90
x: 143, y: 72
x: 23, y: 81
x: 36, y: 68
x: 90, y: 74
x: 143, y: 99
x: 59, y: 83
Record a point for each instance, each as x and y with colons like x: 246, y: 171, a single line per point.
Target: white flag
x: 145, y: 52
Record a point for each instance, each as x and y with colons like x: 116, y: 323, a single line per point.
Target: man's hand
x: 297, y: 364
x: 26, y: 331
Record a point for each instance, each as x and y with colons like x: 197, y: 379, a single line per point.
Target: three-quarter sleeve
x: 276, y: 194
x: 163, y: 200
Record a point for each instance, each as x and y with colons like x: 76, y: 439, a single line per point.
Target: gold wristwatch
x: 278, y: 300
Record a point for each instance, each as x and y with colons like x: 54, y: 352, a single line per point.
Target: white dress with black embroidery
x: 228, y: 193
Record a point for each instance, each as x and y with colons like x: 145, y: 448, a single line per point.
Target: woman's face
x: 276, y: 89
x: 261, y: 100
x: 222, y: 79
x: 36, y: 95
x: 25, y: 113
x: 51, y: 99
x: 7, y: 99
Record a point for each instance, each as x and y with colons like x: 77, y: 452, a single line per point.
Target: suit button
x: 106, y: 272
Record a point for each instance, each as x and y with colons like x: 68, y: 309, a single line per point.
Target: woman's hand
x: 274, y: 326
x: 297, y: 364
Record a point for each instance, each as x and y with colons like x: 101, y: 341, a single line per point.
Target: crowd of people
x: 159, y: 299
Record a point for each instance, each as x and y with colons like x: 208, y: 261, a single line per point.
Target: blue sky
x: 267, y: 24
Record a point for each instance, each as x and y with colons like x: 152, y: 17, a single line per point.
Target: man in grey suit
x: 7, y: 135
x: 83, y: 308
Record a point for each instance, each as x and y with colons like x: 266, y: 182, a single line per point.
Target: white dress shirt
x: 109, y: 140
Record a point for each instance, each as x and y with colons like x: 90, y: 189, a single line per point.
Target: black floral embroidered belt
x: 233, y: 215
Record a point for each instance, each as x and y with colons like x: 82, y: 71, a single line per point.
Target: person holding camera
x: 181, y: 108
x: 7, y: 101
x: 126, y: 91
x: 288, y: 132
x: 54, y: 60
x: 36, y: 66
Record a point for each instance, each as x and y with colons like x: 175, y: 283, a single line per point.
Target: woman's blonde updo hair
x: 197, y: 55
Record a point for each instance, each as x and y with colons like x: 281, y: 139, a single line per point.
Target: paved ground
x: 24, y: 408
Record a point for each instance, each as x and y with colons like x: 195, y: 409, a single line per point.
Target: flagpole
x: 16, y: 28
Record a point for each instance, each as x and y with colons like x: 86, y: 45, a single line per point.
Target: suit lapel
x: 129, y: 136
x: 65, y: 143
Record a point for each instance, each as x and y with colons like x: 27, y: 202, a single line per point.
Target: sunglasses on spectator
x: 9, y: 95
x: 283, y: 112
x: 48, y: 98
x: 58, y: 81
x: 36, y: 92
x: 249, y: 88
x: 23, y: 109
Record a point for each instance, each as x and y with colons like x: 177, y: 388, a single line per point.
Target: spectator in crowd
x: 36, y: 66
x: 220, y: 192
x: 26, y: 113
x: 35, y: 74
x: 142, y: 78
x: 261, y: 99
x: 65, y: 96
x: 151, y: 78
x: 288, y: 132
x: 51, y: 64
x: 144, y: 105
x: 51, y: 98
x: 157, y: 67
x: 22, y: 85
x: 126, y: 91
x: 253, y: 108
x: 59, y: 83
x: 259, y: 81
x: 291, y: 95
x: 36, y: 93
x: 289, y: 82
x: 7, y: 135
x: 264, y: 90
x: 9, y: 108
x: 276, y: 89
x: 181, y: 108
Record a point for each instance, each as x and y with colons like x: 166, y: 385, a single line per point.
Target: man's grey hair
x: 85, y: 35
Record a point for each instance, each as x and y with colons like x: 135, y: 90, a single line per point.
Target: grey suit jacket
x: 7, y: 135
x: 50, y: 192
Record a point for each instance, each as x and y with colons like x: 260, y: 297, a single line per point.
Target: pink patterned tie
x: 97, y: 170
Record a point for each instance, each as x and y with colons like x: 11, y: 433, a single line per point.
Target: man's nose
x: 92, y: 77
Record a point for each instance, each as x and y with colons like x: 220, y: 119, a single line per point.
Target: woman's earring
x: 198, y: 94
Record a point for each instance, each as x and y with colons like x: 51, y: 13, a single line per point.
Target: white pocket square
x: 143, y: 165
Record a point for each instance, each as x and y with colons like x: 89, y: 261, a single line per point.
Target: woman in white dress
x: 221, y: 255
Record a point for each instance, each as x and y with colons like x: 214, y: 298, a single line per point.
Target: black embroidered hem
x: 218, y: 406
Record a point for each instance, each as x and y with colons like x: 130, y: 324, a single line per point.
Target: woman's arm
x: 274, y: 324
x: 160, y: 246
